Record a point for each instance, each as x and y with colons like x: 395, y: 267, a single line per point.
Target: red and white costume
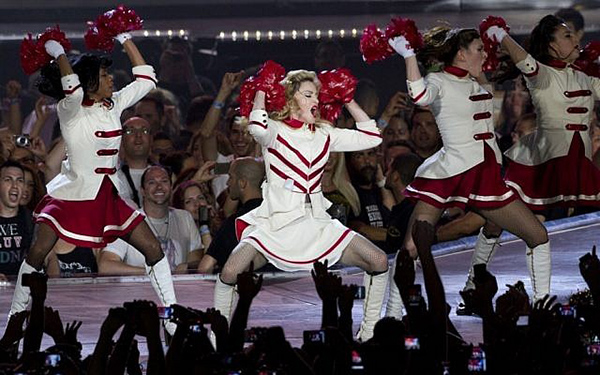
x: 553, y: 166
x: 82, y: 205
x: 291, y: 228
x: 466, y: 170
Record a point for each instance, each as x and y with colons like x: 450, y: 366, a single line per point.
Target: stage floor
x: 290, y: 300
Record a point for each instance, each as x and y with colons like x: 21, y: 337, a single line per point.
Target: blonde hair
x: 291, y: 83
x: 341, y: 180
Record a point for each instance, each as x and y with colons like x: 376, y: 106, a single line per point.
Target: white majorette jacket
x: 463, y: 111
x: 295, y: 155
x: 564, y: 102
x: 92, y: 133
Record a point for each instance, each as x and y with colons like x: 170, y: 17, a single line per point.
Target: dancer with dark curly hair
x: 83, y: 206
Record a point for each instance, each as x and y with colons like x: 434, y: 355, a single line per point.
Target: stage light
x: 306, y: 34
x: 330, y: 33
x: 282, y: 35
x: 342, y: 33
x: 318, y: 34
x: 257, y: 35
x: 170, y: 33
x: 222, y: 35
x: 157, y: 33
x: 354, y: 32
x: 146, y: 33
x: 294, y: 34
x: 270, y: 35
x: 246, y: 35
x: 233, y: 36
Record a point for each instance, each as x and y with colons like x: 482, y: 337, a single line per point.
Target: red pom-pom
x: 407, y: 28
x: 267, y: 80
x: 374, y: 45
x: 102, y: 31
x: 337, y: 88
x: 490, y: 46
x: 330, y: 112
x: 33, y: 53
x: 588, y: 59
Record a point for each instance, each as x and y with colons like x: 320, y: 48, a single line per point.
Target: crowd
x: 519, y: 337
x: 193, y: 165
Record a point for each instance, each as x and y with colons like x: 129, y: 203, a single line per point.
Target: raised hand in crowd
x: 12, y: 104
x: 345, y: 304
x: 328, y: 287
x: 38, y: 283
x: 248, y: 286
x: 53, y: 325
x: 589, y: 267
x: 13, y: 334
x: 115, y: 319
x: 398, y: 103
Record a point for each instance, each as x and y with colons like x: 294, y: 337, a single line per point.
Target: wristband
x: 123, y: 37
x: 218, y: 105
x: 204, y: 230
x: 381, y: 183
x: 382, y: 123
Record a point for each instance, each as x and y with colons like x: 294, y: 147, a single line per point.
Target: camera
x: 23, y: 140
x: 196, y: 328
x: 312, y: 337
x: 356, y: 361
x: 203, y: 214
x: 165, y: 312
x: 52, y: 360
x: 360, y: 292
x: 253, y: 334
x: 477, y: 360
x: 414, y: 295
x: 222, y: 168
x: 568, y: 310
x: 411, y: 343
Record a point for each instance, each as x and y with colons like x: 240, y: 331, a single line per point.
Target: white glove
x: 496, y: 33
x: 401, y: 46
x: 123, y: 37
x: 54, y: 48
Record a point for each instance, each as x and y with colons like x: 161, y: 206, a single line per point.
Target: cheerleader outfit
x: 466, y: 170
x: 553, y: 166
x: 291, y: 227
x: 83, y: 205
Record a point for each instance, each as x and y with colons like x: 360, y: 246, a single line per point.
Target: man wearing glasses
x: 135, y: 153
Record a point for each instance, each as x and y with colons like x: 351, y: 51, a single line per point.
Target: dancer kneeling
x: 291, y: 228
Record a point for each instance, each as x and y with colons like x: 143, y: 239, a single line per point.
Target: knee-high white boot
x: 224, y: 299
x: 483, y: 253
x: 395, y: 304
x: 162, y: 282
x: 375, y: 286
x: 22, y: 293
x: 539, y: 264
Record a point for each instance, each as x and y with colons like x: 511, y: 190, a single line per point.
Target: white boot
x: 375, y: 286
x: 162, y: 282
x: 395, y: 304
x: 483, y: 253
x: 539, y: 265
x: 22, y: 293
x: 224, y: 299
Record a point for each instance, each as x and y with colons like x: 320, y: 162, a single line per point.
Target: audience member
x: 338, y: 189
x: 16, y: 225
x: 135, y: 154
x: 190, y: 196
x: 374, y: 213
x: 175, y: 230
x: 329, y: 55
x: 424, y: 133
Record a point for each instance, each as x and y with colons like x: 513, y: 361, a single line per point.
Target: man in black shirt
x: 16, y: 225
x: 245, y: 178
x: 373, y: 218
x: 401, y: 173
